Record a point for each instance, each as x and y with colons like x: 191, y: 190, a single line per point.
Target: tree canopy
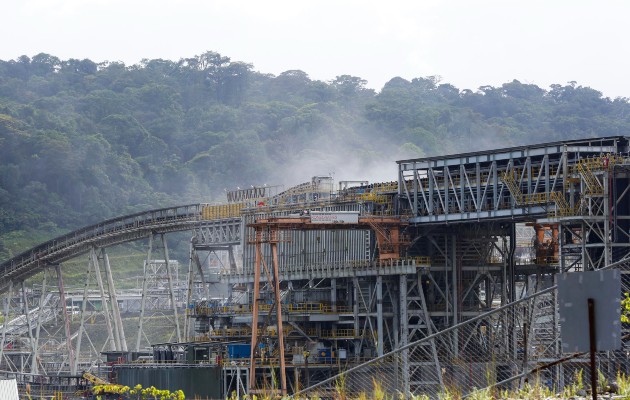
x: 81, y: 141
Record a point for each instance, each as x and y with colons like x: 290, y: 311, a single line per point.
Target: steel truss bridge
x: 459, y: 257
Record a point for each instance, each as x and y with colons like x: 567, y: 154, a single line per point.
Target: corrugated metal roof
x: 569, y: 142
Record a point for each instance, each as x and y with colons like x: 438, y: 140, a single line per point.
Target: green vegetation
x: 577, y: 384
x: 82, y: 141
x: 137, y: 392
x: 625, y: 308
x: 535, y: 390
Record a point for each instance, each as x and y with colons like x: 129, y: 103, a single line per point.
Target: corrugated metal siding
x: 312, y: 247
x: 8, y: 389
x: 195, y: 382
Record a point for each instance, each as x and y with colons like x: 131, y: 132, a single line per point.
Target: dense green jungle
x: 82, y: 141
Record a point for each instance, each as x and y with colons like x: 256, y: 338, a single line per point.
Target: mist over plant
x: 81, y: 141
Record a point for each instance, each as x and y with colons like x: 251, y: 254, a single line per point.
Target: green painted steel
x: 196, y: 381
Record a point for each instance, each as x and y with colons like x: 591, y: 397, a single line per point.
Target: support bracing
x: 144, y: 293
x: 66, y: 317
x: 35, y: 362
x: 274, y: 285
x: 360, y: 273
x: 255, y: 298
x: 188, y: 325
x: 84, y: 303
x: 276, y: 278
x: 7, y: 307
x: 26, y: 312
x: 112, y: 337
x: 170, y: 288
x: 113, y: 298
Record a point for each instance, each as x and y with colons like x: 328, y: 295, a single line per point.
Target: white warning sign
x: 321, y: 217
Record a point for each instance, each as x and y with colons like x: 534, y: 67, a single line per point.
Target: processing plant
x: 288, y: 288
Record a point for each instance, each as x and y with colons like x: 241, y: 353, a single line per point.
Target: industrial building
x: 324, y: 276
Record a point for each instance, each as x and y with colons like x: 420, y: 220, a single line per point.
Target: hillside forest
x: 82, y: 141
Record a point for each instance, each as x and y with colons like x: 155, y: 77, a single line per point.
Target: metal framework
x: 452, y: 238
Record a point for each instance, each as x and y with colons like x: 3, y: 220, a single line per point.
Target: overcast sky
x: 468, y: 43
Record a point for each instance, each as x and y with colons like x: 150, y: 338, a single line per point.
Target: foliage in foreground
x: 137, y: 392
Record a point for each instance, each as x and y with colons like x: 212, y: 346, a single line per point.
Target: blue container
x: 325, y: 356
x: 239, y: 350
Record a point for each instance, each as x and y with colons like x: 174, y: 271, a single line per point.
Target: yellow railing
x: 369, y: 196
x: 563, y: 209
x: 231, y: 332
x: 535, y: 198
x: 323, y: 308
x: 339, y: 333
x: 587, y: 167
x: 593, y: 186
x: 385, y: 187
x: 510, y: 182
x: 210, y: 212
x: 420, y: 260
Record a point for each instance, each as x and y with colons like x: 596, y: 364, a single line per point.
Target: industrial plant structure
x: 320, y: 278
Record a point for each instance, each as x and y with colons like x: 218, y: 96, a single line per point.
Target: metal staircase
x: 562, y: 207
x: 513, y: 187
x: 585, y: 167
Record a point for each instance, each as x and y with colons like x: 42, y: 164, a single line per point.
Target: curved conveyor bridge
x: 107, y: 233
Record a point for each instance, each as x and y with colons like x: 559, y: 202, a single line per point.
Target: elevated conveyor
x: 115, y: 231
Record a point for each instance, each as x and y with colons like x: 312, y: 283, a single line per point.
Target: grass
x: 623, y: 385
x: 14, y: 242
x: 576, y: 386
x: 533, y: 390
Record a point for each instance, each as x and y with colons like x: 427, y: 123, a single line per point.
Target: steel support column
x: 188, y: 326
x: 35, y: 363
x: 118, y: 324
x: 455, y: 293
x: 404, y: 334
x: 112, y: 337
x: 7, y: 306
x: 379, y: 315
x: 26, y: 312
x: 144, y: 294
x: 170, y: 289
x: 355, y: 315
x: 83, y: 309
x: 66, y: 318
x: 256, y: 294
x: 276, y: 278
